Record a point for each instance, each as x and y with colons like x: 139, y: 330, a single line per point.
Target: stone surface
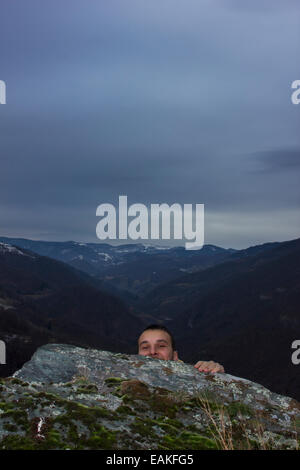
x: 74, y: 398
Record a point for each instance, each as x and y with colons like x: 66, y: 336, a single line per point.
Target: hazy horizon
x: 160, y: 244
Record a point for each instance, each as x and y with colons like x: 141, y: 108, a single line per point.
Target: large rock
x: 67, y: 397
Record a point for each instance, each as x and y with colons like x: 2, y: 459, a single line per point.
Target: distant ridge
x: 129, y: 269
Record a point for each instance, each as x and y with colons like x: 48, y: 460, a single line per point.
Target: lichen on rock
x: 68, y: 397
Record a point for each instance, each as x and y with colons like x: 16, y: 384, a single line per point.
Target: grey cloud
x: 162, y: 101
x: 279, y: 160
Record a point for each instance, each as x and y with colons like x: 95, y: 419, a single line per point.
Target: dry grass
x: 221, y: 432
x: 232, y: 434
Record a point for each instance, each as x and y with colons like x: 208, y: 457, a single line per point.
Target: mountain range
x: 129, y: 270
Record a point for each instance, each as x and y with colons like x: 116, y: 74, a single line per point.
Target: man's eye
x: 162, y: 346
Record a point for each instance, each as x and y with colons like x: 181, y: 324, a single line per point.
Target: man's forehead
x: 156, y: 335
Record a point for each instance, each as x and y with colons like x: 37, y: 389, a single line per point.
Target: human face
x: 157, y: 344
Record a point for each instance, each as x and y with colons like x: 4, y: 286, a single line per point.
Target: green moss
x: 143, y: 427
x: 10, y: 427
x: 18, y: 416
x: 53, y: 440
x: 125, y: 410
x: 6, y: 406
x: 126, y: 398
x: 237, y: 408
x: 73, y: 433
x: 78, y: 381
x: 162, y: 401
x: 15, y: 380
x: 110, y: 381
x: 88, y: 416
x: 140, y: 407
x: 174, y: 422
x: 142, y: 399
x: 53, y: 436
x: 168, y: 409
x: 15, y: 442
x: 103, y: 439
x: 189, y: 441
x: 195, y: 429
x: 51, y: 397
x: 168, y: 425
x: 26, y: 403
x: 87, y: 389
x: 171, y: 430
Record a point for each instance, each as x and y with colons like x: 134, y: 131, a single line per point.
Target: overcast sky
x: 175, y: 101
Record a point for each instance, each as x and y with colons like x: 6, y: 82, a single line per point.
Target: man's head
x: 156, y: 341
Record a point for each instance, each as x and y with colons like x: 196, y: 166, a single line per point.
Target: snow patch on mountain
x: 106, y: 256
x: 6, y: 248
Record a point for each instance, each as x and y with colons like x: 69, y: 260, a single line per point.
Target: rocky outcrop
x: 67, y: 397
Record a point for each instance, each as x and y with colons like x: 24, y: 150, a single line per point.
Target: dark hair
x: 163, y: 328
